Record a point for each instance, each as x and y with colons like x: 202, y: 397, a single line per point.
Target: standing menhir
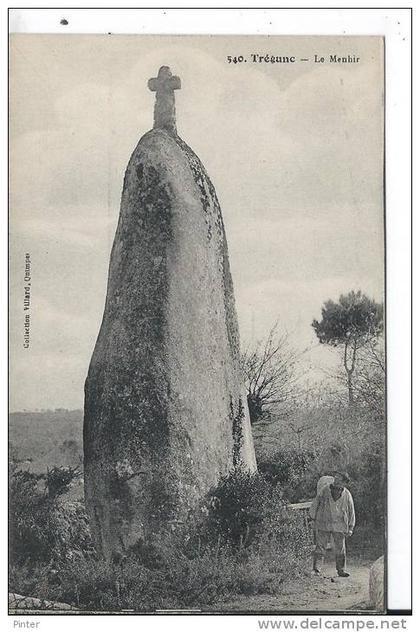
x: 165, y: 412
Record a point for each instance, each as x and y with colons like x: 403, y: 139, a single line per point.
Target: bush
x: 59, y: 479
x: 238, y: 507
x: 368, y: 488
x: 289, y: 468
x: 43, y: 528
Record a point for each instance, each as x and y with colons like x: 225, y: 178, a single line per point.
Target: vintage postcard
x: 197, y: 367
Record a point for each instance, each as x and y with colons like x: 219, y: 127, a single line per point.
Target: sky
x: 295, y: 152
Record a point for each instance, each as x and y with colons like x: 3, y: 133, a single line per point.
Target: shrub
x: 44, y: 528
x: 238, y: 506
x: 59, y: 479
x: 368, y: 488
x: 289, y: 468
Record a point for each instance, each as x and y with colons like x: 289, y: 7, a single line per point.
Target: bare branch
x: 271, y: 373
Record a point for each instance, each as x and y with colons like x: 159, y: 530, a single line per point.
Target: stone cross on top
x: 164, y: 85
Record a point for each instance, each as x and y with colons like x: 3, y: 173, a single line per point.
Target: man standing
x: 333, y: 513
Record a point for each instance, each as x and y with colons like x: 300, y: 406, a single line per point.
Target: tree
x: 270, y: 374
x: 351, y: 324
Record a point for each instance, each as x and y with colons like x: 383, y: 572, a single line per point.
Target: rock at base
x: 18, y: 603
x: 376, y: 584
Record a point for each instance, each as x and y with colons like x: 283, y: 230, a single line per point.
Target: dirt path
x: 328, y: 593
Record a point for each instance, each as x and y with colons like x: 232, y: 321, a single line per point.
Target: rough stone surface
x: 20, y: 603
x: 165, y: 411
x: 376, y: 584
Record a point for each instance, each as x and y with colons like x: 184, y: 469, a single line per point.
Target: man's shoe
x: 343, y: 574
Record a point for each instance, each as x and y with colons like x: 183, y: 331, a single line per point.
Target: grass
x: 179, y: 581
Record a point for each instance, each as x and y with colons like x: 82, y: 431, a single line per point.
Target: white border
x: 394, y: 24
x: 204, y: 21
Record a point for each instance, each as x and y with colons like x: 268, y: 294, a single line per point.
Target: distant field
x: 41, y: 440
x: 54, y: 437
